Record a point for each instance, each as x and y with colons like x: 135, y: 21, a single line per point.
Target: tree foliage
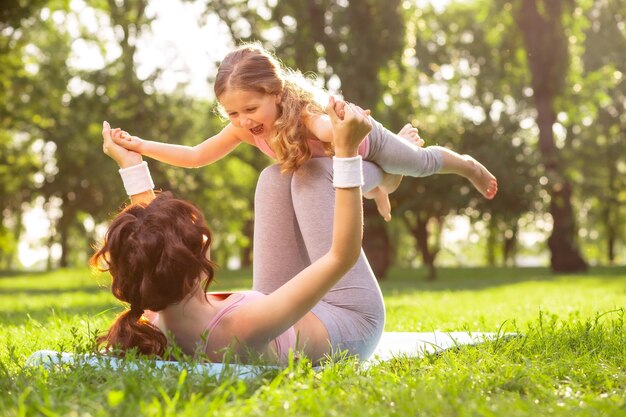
x: 543, y: 26
x: 351, y: 42
x: 594, y: 118
x: 533, y: 89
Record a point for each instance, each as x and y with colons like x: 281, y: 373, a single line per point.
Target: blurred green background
x: 534, y: 89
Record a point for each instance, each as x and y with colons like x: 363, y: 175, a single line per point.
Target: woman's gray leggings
x: 293, y: 228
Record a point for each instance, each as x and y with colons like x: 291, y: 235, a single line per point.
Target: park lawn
x: 570, y: 357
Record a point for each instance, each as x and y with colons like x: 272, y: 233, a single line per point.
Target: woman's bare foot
x: 481, y: 178
x: 380, y: 194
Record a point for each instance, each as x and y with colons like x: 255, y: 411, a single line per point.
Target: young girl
x: 273, y: 108
x: 313, y: 290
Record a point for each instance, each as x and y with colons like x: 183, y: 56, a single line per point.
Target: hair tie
x: 136, y: 310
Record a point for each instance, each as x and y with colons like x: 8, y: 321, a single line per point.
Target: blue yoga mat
x: 391, y: 345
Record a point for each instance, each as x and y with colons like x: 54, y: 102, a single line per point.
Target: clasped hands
x: 350, y: 126
x: 124, y: 157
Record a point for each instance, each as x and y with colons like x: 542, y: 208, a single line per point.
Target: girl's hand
x: 124, y: 157
x: 126, y: 140
x: 350, y: 130
x: 340, y: 106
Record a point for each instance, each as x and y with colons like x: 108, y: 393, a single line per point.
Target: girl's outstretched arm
x: 207, y: 152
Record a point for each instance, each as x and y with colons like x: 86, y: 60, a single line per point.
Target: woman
x: 313, y: 290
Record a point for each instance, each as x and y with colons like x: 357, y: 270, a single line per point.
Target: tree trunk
x: 17, y: 234
x: 64, y: 231
x: 611, y: 234
x: 611, y: 248
x: 611, y: 211
x: 90, y: 241
x: 509, y: 246
x: 565, y: 256
x: 49, y: 260
x: 428, y: 255
x: 64, y: 224
x: 491, y: 241
x: 4, y: 261
x: 246, y: 252
x: 547, y: 53
x: 376, y: 244
x: 420, y: 232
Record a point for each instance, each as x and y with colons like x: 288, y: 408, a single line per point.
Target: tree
x: 595, y: 127
x: 349, y: 43
x: 456, y: 79
x: 77, y: 170
x: 542, y: 26
x: 25, y: 114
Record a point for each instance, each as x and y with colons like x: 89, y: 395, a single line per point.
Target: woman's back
x: 204, y: 333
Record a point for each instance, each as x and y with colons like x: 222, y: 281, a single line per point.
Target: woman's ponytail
x: 132, y: 329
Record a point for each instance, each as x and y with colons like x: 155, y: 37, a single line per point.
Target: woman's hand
x: 340, y: 106
x: 124, y: 157
x: 350, y: 130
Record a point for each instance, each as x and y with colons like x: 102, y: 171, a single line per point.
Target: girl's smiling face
x: 251, y: 110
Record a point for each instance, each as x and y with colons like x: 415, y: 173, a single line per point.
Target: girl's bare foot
x: 380, y: 194
x: 411, y: 134
x: 390, y: 182
x: 381, y: 198
x: 481, y: 178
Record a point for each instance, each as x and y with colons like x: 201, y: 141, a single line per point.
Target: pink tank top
x: 316, y: 146
x: 282, y: 344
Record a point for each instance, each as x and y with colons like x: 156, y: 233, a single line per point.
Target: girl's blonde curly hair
x: 251, y: 67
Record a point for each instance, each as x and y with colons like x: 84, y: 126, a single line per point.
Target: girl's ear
x: 279, y: 98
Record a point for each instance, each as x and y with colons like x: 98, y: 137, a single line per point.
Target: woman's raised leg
x: 353, y: 311
x: 279, y: 251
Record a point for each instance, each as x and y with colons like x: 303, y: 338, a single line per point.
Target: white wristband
x: 348, y: 172
x: 137, y: 178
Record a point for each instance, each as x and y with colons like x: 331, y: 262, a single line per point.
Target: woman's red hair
x: 156, y: 254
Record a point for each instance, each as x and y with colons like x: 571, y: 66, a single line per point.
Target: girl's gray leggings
x: 396, y: 155
x: 293, y: 227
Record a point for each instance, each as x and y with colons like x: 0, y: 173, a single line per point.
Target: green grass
x: 569, y: 360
